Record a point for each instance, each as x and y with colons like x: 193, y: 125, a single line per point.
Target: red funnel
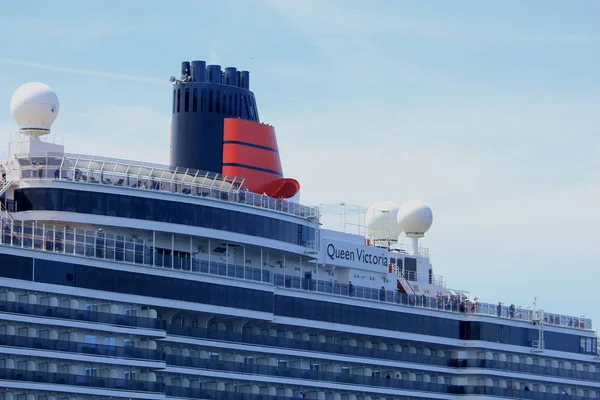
x: 250, y: 151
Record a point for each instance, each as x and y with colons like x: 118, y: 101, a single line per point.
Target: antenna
x: 34, y: 107
x: 415, y: 218
x: 172, y: 79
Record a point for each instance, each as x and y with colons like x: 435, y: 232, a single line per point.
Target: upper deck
x: 131, y: 250
x: 92, y: 170
x: 136, y: 175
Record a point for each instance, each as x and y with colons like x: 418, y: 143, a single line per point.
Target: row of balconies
x: 191, y: 386
x: 65, y: 301
x: 289, y: 333
x: 388, y: 349
x: 307, y: 368
x: 14, y: 295
x: 75, y: 335
x: 67, y: 307
x: 285, y: 367
x: 82, y: 349
x: 518, y: 384
x: 251, y: 362
x: 52, y: 365
x: 19, y: 394
x: 532, y: 360
x: 58, y: 372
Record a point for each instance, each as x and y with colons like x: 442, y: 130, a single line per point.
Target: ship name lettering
x: 334, y: 253
x: 368, y: 258
x: 361, y: 255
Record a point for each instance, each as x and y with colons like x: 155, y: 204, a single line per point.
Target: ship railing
x: 101, y: 245
x: 537, y: 344
x: 441, y: 303
x: 438, y: 280
x: 85, y: 169
x: 80, y: 380
x: 4, y: 185
x: 406, y: 249
x: 97, y: 244
x: 414, y: 277
x: 76, y: 347
x: 16, y: 138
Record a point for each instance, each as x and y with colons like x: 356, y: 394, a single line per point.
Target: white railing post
x: 172, y: 250
x: 153, y: 247
x: 191, y: 251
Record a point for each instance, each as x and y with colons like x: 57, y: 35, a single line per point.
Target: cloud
x: 91, y: 72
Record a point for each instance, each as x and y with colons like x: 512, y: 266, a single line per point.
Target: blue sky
x: 487, y: 111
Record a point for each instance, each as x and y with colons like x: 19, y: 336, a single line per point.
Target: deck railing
x: 94, y: 170
x: 122, y: 249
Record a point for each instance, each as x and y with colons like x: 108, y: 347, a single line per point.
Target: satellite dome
x: 381, y: 220
x: 414, y: 217
x: 35, y: 107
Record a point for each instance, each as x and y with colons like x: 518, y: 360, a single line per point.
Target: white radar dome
x: 35, y: 107
x: 414, y: 217
x: 381, y: 220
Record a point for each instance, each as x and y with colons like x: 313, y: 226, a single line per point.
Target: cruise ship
x: 208, y: 279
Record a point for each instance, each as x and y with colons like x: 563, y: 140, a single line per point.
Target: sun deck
x: 85, y: 169
x: 100, y: 245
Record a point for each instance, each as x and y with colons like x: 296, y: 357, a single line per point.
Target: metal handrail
x: 129, y: 250
x: 147, y: 176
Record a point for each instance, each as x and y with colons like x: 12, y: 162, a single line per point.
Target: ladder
x: 4, y: 186
x: 403, y: 281
x: 538, y: 318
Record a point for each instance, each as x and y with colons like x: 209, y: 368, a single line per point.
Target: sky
x: 487, y: 111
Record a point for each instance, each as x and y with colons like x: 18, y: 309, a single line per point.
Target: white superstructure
x: 129, y: 280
